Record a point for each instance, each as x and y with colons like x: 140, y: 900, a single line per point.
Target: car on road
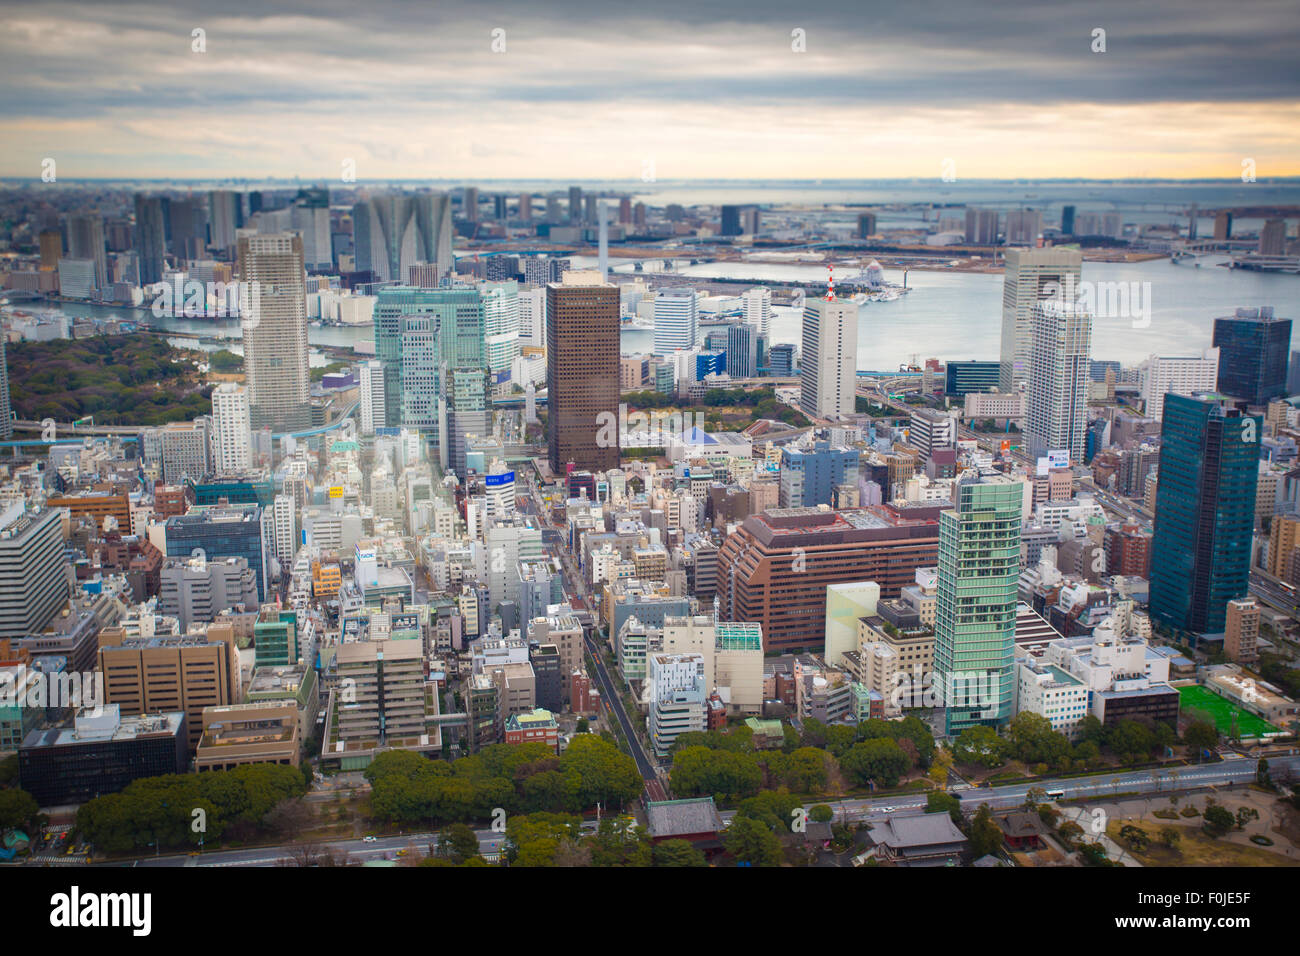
x: 889, y: 809
x: 370, y: 839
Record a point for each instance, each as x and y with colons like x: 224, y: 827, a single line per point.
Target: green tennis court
x: 1195, y: 697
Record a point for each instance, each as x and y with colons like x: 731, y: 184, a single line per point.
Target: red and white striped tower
x: 830, y: 282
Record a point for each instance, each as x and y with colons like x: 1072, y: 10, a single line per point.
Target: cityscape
x: 515, y: 481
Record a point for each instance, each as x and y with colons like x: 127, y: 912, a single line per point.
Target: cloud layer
x: 589, y: 89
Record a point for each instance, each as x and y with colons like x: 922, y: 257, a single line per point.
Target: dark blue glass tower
x: 1205, y: 511
x: 1254, y: 348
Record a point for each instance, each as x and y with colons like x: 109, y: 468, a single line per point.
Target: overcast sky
x: 596, y: 89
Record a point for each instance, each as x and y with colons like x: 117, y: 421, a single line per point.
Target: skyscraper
x: 500, y: 328
x: 1057, y: 399
x: 371, y: 375
x: 829, y: 357
x: 86, y: 241
x: 1253, y: 351
x: 742, y: 350
x: 456, y: 335
x: 33, y: 568
x: 1181, y: 375
x: 393, y: 232
x: 677, y: 324
x: 1024, y: 226
x: 1205, y: 511
x: 151, y: 219
x: 1031, y: 275
x: 231, y: 430
x: 582, y: 372
x: 975, y: 605
x: 6, y: 414
x: 575, y: 204
x: 225, y: 216
x: 275, y: 331
x: 757, y: 303
x: 1067, y: 220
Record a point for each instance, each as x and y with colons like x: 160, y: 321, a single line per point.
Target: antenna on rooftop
x: 830, y: 282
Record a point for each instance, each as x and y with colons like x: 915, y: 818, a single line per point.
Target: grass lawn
x: 1195, y: 697
x: 1195, y: 848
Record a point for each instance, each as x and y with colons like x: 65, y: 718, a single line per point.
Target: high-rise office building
x: 225, y: 217
x: 371, y: 387
x: 866, y: 224
x: 469, y: 204
x: 975, y: 604
x: 86, y: 241
x: 1272, y: 238
x: 1067, y: 220
x: 1223, y: 225
x: 32, y: 568
x: 757, y: 303
x: 829, y: 357
x: 1181, y: 375
x: 1024, y: 226
x: 1205, y: 511
x: 393, y: 232
x: 1253, y: 350
x: 6, y: 414
x: 575, y: 204
x: 982, y: 226
x: 1031, y: 275
x: 740, y: 220
x: 275, y: 331
x: 188, y: 236
x: 742, y: 350
x: 231, y: 429
x: 781, y: 360
x: 151, y: 226
x: 1057, y: 396
x: 413, y: 353
x: 676, y: 318
x: 582, y: 372
x: 500, y: 328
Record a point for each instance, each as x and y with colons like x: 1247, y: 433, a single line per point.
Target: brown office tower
x: 582, y: 372
x: 775, y: 568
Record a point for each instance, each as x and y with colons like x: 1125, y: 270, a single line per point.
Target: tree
x: 1134, y: 836
x: 583, y: 726
x: 18, y: 808
x: 1218, y: 821
x: 880, y: 760
x: 749, y: 841
x: 940, y: 801
x: 1200, y: 735
x: 979, y: 745
x: 1262, y: 775
x: 1069, y: 832
x: 1033, y: 797
x: 1245, y: 815
x: 678, y: 853
x: 1169, y: 836
x: 457, y: 842
x: 985, y: 835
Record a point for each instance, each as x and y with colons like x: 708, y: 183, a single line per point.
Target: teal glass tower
x: 975, y: 606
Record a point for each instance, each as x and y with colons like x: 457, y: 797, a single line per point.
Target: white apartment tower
x: 371, y: 395
x: 828, y: 369
x: 275, y: 331
x: 676, y: 321
x: 231, y: 432
x: 757, y: 303
x: 1057, y: 417
x: 1179, y: 375
x: 1031, y: 275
